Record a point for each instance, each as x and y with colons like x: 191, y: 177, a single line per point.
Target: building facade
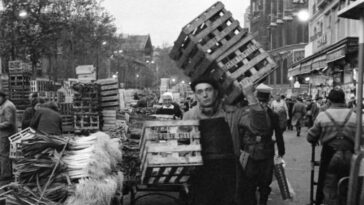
x: 275, y: 24
x: 331, y: 54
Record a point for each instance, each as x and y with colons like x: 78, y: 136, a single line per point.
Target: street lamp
x: 307, y: 79
x: 303, y: 15
x: 173, y: 80
x: 23, y: 13
x: 290, y: 78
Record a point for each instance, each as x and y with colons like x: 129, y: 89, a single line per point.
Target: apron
x: 215, y: 181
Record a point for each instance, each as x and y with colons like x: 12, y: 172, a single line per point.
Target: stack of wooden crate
x: 19, y: 89
x: 5, y: 83
x: 108, y: 119
x: 215, y: 45
x: 170, y: 152
x: 66, y: 110
x: 86, y: 108
x: 109, y: 92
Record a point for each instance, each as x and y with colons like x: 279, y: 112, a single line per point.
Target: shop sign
x: 306, y: 67
x: 337, y: 54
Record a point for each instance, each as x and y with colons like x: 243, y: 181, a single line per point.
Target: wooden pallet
x: 169, y: 151
x: 204, y: 39
x: 245, y: 61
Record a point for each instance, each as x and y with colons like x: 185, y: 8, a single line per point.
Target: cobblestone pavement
x: 298, y: 155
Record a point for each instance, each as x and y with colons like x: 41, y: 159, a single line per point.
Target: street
x: 298, y: 156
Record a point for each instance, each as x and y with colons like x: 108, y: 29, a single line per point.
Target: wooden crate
x: 67, y: 123
x: 86, y: 122
x: 169, y: 151
x: 109, y: 92
x: 15, y: 142
x: 65, y: 108
x: 245, y: 61
x: 204, y: 39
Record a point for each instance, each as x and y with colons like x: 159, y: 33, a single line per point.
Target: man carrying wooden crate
x: 7, y: 128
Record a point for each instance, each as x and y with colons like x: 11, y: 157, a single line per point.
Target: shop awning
x: 294, y: 71
x: 319, y: 63
x: 336, y: 54
x: 306, y: 67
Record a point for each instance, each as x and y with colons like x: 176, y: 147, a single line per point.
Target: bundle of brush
x: 40, y: 177
x: 93, y: 161
x: 95, y: 156
x: 92, y: 191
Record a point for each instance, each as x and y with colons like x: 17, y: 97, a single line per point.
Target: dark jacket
x: 27, y: 117
x: 259, y: 125
x: 174, y: 109
x: 47, y: 121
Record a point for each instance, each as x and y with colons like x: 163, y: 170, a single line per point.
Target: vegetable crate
x: 67, y: 123
x: 15, y: 142
x: 87, y: 122
x: 245, y: 61
x: 204, y: 39
x: 170, y: 151
x: 65, y: 108
x: 109, y: 91
x: 42, y: 85
x: 5, y: 84
x: 108, y: 119
x: 19, y: 67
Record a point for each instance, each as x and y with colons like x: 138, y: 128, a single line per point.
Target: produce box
x: 204, y: 39
x: 169, y: 151
x: 214, y: 45
x: 109, y: 91
x: 15, y: 140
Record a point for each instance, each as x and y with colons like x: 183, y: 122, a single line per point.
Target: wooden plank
x: 251, y: 64
x: 105, y: 104
x: 109, y: 92
x: 171, y: 123
x: 107, y: 81
x: 109, y: 87
x: 110, y: 98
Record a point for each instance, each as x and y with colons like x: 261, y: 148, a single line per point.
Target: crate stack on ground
x: 86, y: 107
x: 5, y: 83
x: 108, y: 121
x: 45, y: 88
x: 109, y: 92
x: 215, y: 45
x: 66, y: 110
x: 170, y: 152
x: 19, y: 84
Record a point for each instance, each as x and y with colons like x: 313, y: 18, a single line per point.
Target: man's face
x: 205, y: 94
x: 2, y: 100
x: 278, y: 98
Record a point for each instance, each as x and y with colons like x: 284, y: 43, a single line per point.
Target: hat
x: 207, y: 80
x: 167, y: 94
x: 2, y: 93
x: 263, y: 92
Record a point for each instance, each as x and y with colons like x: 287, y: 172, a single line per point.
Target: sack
x: 243, y: 159
x: 282, y: 180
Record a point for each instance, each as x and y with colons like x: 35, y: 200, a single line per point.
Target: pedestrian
x: 298, y: 112
x: 30, y: 111
x: 258, y: 126
x: 352, y: 102
x: 169, y: 107
x: 335, y: 129
x: 290, y: 104
x: 47, y: 119
x: 7, y: 128
x: 312, y: 112
x: 217, y: 181
x: 280, y: 107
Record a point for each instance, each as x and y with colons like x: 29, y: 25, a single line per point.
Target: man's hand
x: 248, y: 91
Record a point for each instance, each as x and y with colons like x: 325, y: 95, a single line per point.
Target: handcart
x: 169, y: 154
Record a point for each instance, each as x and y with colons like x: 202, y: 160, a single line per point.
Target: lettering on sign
x: 169, y: 136
x: 250, y: 48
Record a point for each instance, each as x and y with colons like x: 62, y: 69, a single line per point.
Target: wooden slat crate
x: 169, y: 151
x: 65, y: 108
x: 245, y: 61
x: 86, y: 122
x: 15, y: 140
x: 19, y: 67
x: 204, y: 39
x: 67, y: 123
x: 39, y: 85
x: 109, y: 91
x: 108, y: 119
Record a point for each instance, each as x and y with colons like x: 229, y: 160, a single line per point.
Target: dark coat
x: 47, y: 121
